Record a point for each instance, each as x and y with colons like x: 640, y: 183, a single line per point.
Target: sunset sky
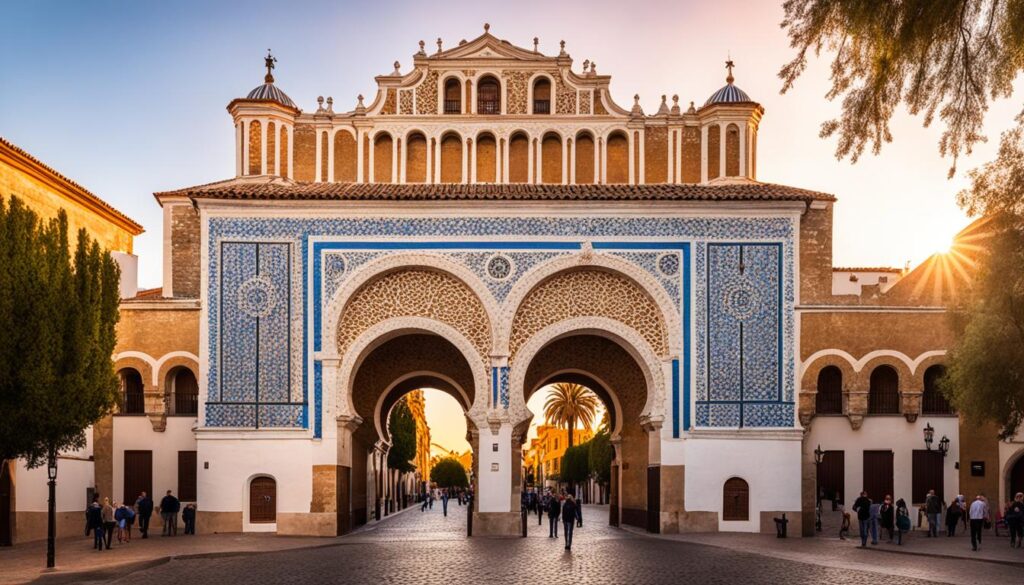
x: 128, y: 98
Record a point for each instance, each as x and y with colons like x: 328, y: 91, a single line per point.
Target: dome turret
x: 269, y: 91
x: 729, y: 94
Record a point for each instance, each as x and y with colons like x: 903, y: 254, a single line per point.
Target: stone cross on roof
x: 729, y: 65
x: 270, y: 60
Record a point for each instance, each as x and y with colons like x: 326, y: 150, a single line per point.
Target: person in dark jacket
x: 579, y: 514
x: 554, y: 509
x: 933, y: 508
x: 569, y: 510
x: 887, y: 516
x: 1015, y: 520
x: 169, y: 507
x: 188, y: 516
x: 94, y: 520
x: 862, y: 506
x: 953, y: 514
x: 144, y: 510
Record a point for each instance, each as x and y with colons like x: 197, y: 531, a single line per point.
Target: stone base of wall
x: 307, y: 524
x: 214, y: 522
x: 497, y: 524
x: 697, y: 522
x: 29, y: 526
x: 634, y: 517
x: 793, y: 528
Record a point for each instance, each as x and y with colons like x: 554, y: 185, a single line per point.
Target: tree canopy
x: 600, y: 454
x: 576, y: 463
x: 58, y: 314
x: 402, y: 427
x: 569, y: 404
x: 947, y: 58
x: 448, y: 473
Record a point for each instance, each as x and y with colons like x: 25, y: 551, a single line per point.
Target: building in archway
x: 490, y: 223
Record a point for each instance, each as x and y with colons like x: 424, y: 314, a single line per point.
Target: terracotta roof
x: 276, y: 188
x: 74, y: 189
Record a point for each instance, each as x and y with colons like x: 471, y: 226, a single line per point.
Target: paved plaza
x: 420, y: 547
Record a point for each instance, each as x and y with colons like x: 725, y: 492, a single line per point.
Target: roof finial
x: 586, y: 65
x: 398, y: 69
x: 438, y: 44
x: 422, y: 52
x: 729, y: 65
x: 536, y: 42
x: 270, y: 60
x: 561, y: 46
x: 487, y: 27
x: 593, y: 67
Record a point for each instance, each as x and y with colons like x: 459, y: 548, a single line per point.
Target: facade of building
x: 23, y: 493
x: 545, y: 452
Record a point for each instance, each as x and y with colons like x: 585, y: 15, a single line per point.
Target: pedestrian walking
x: 953, y: 514
x: 108, y: 522
x: 1015, y: 520
x: 144, y: 510
x: 125, y: 517
x: 541, y: 506
x: 94, y: 520
x: 933, y: 508
x: 965, y: 507
x: 844, y: 528
x: 887, y: 516
x: 569, y: 510
x: 862, y: 506
x: 979, y: 517
x: 188, y: 516
x: 876, y: 513
x: 169, y: 507
x: 902, y: 520
x: 444, y: 502
x: 579, y: 514
x: 554, y: 510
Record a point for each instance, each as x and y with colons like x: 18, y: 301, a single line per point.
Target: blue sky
x: 128, y: 98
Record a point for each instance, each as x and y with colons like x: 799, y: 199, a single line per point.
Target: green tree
x: 946, y: 58
x: 600, y: 456
x: 570, y: 404
x: 402, y: 427
x: 576, y: 463
x: 449, y: 473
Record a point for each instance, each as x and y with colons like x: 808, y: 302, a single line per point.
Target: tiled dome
x: 269, y: 91
x: 730, y: 94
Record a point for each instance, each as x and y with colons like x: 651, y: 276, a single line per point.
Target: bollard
x: 780, y: 526
x: 524, y: 513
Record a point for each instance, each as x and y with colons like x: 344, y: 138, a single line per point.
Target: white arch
x: 608, y: 387
x: 529, y: 91
x: 590, y: 259
x: 858, y: 364
x: 247, y: 525
x: 441, y: 81
x: 337, y: 129
x: 380, y: 400
x: 396, y: 327
x: 155, y: 364
x: 171, y: 355
x: 392, y: 263
x: 626, y: 337
x: 502, y: 89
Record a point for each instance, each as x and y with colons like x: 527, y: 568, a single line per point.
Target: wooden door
x: 138, y: 476
x: 878, y: 479
x: 187, y: 470
x: 736, y: 500
x: 832, y: 476
x: 926, y: 475
x: 263, y: 500
x: 6, y: 494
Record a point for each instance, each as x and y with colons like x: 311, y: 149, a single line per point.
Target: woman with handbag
x: 902, y: 520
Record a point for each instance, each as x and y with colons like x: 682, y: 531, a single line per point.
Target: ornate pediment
x: 488, y: 46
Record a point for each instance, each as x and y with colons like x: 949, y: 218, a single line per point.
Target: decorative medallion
x: 257, y: 296
x: 499, y: 267
x: 740, y: 299
x: 668, y: 264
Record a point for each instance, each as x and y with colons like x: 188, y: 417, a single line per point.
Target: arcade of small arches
x: 162, y: 387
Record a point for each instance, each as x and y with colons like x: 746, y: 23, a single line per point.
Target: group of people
x: 102, y: 519
x: 427, y: 497
x: 873, y: 517
x: 557, y: 506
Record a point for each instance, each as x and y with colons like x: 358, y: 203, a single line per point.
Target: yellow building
x: 549, y: 447
x: 417, y: 406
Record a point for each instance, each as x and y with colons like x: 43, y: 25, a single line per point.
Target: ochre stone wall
x: 426, y: 94
x: 588, y: 293
x: 519, y: 159
x: 714, y: 151
x: 389, y: 106
x: 980, y: 443
x: 691, y: 155
x: 255, y: 147
x: 405, y: 101
x: 185, y: 245
x: 324, y: 161
x: 656, y: 155
x: 599, y: 108
x: 732, y: 151
x: 618, y: 158
x: 158, y: 332
x: 584, y: 159
x: 416, y: 159
x: 272, y: 129
x: 305, y: 152
x: 346, y: 157
x: 486, y: 153
x: 859, y: 333
x: 284, y: 152
x: 565, y: 98
x: 816, y: 256
x: 451, y: 159
x: 382, y: 145
x: 551, y: 158
x: 416, y: 293
x: 516, y: 93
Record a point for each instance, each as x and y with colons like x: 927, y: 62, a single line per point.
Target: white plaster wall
x: 771, y: 467
x: 74, y: 477
x: 135, y: 433
x: 233, y: 462
x: 842, y: 285
x: 494, y: 488
x: 1009, y: 453
x: 884, y: 433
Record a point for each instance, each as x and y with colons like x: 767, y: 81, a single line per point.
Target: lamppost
x: 51, y: 528
x: 929, y: 436
x: 819, y: 455
x: 944, y: 445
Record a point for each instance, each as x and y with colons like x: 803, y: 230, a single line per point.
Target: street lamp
x: 819, y: 456
x: 944, y: 445
x: 51, y: 528
x: 929, y: 436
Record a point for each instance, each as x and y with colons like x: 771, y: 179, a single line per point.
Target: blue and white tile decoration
x: 260, y: 300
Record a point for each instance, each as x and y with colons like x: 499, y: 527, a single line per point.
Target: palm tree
x: 569, y: 404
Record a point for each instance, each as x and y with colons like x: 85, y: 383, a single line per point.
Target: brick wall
x: 346, y: 159
x: 486, y: 153
x: 584, y: 159
x: 185, y: 251
x: 382, y: 159
x: 255, y: 147
x: 714, y: 146
x: 518, y: 159
x: 691, y: 155
x: 271, y: 147
x: 656, y: 155
x: 618, y: 159
x: 551, y: 159
x: 732, y: 151
x: 305, y: 152
x: 815, y: 252
x: 416, y: 159
x: 451, y: 159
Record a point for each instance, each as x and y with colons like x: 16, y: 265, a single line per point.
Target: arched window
x: 263, y: 500
x: 185, y: 392
x: 416, y: 158
x: 132, y: 392
x: 542, y: 96
x: 736, y: 500
x: 452, y: 96
x: 488, y: 96
x: 518, y: 158
x: 934, y: 401
x: 617, y: 157
x: 884, y: 394
x: 830, y: 391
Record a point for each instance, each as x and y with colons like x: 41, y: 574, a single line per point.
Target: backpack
x: 903, y: 522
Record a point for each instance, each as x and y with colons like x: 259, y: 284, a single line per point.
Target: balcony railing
x: 541, y: 106
x: 186, y: 403
x: 134, y: 403
x: 452, y: 107
x: 488, y: 107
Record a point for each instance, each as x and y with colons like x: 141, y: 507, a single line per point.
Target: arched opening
x: 714, y: 151
x: 542, y: 96
x: 6, y: 503
x: 271, y: 148
x: 1015, y: 479
x: 262, y: 500
x: 584, y: 158
x: 132, y: 394
x: 451, y: 158
x: 255, y: 147
x: 416, y: 158
x: 830, y: 391
x: 382, y: 158
x: 486, y: 155
x: 346, y: 157
x: 609, y: 371
x: 736, y: 500
x: 884, y: 395
x: 488, y: 96
x: 732, y: 150
x: 519, y: 158
x: 933, y: 401
x: 182, y: 392
x: 284, y: 152
x: 617, y: 155
x: 452, y: 96
x: 551, y: 158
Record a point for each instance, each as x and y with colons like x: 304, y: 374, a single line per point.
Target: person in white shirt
x: 978, y: 514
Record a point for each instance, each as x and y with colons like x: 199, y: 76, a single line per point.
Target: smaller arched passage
x: 452, y: 96
x: 182, y: 392
x: 933, y: 400
x: 829, y: 399
x: 519, y: 158
x: 416, y: 158
x: 488, y: 96
x: 132, y: 391
x: 262, y: 510
x: 617, y: 158
x: 883, y: 391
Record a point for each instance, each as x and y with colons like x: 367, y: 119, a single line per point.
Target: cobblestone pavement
x: 415, y: 547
